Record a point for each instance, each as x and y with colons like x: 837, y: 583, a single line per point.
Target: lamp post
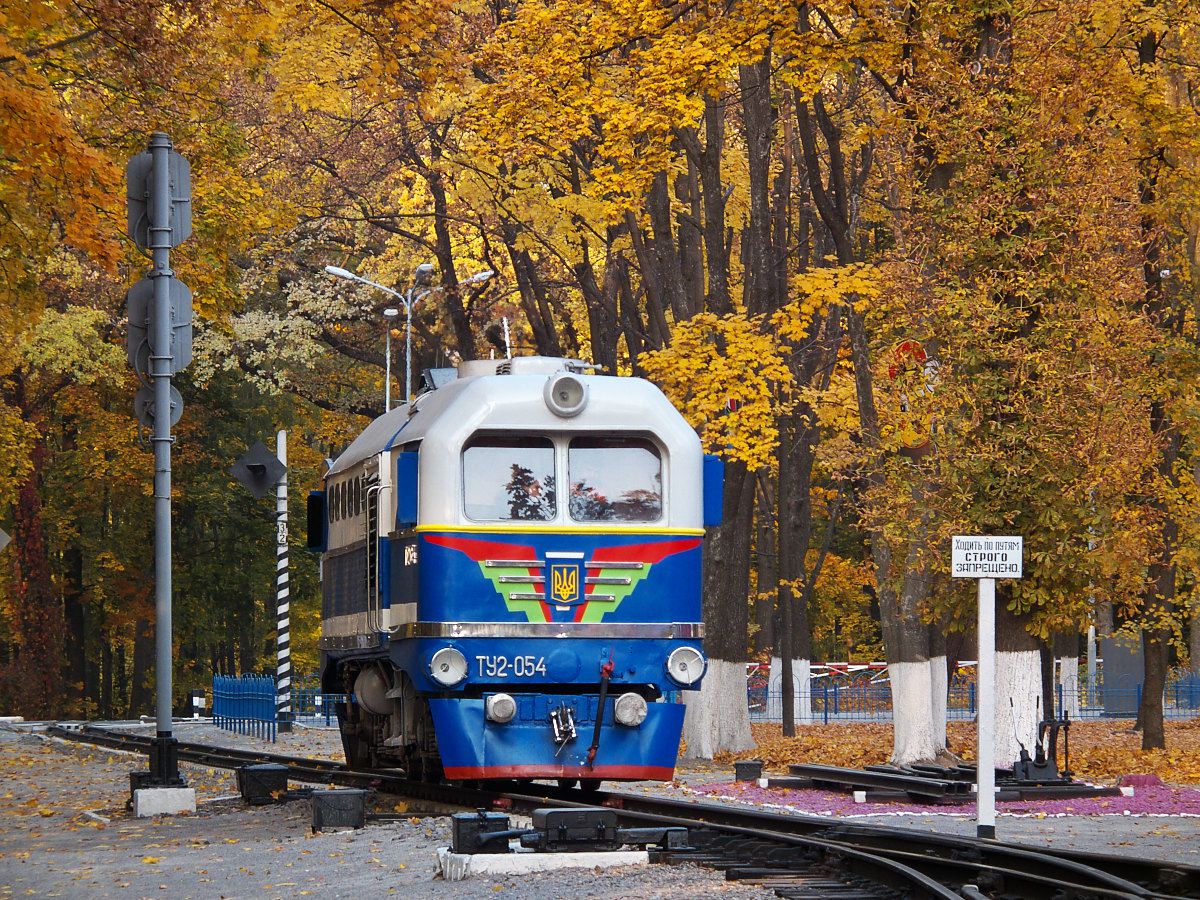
x: 422, y: 278
x: 388, y: 314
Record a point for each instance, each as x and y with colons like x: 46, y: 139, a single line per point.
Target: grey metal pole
x: 985, y: 667
x: 283, y: 630
x: 408, y: 347
x: 387, y: 367
x: 160, y: 372
x: 1091, y: 664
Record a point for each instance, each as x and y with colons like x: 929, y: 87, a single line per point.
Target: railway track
x: 800, y: 857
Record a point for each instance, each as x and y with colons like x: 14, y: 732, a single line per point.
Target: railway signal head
x: 259, y: 470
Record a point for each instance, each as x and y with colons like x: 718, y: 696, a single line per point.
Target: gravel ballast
x: 66, y: 833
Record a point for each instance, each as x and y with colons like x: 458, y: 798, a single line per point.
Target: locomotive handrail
x: 374, y: 606
x: 603, y: 527
x: 603, y: 630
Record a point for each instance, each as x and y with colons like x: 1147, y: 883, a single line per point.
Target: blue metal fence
x: 833, y: 701
x: 245, y: 704
x: 313, y: 707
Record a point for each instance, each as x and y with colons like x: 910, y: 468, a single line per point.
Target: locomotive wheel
x: 355, y: 744
x: 568, y: 784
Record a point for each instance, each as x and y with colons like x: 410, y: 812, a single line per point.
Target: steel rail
x: 993, y: 865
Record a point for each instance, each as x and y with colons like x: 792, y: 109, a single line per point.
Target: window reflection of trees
x: 630, y: 488
x: 529, y: 498
x: 509, y: 478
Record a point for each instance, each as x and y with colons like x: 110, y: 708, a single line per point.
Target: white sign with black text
x: 986, y: 557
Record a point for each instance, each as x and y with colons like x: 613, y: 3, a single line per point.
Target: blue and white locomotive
x: 511, y: 577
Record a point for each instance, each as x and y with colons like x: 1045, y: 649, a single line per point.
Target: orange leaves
x: 854, y: 745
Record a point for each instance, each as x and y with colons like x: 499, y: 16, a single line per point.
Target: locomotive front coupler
x: 562, y: 723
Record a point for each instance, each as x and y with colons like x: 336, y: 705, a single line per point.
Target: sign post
x: 986, y: 559
x: 261, y: 472
x: 283, y: 643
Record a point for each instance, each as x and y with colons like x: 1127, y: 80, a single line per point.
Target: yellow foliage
x: 730, y: 382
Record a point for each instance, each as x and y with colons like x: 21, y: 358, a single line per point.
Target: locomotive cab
x: 511, y: 582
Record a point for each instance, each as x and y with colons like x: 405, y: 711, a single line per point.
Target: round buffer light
x: 565, y: 394
x: 500, y: 708
x: 630, y: 709
x: 448, y: 666
x: 685, y: 665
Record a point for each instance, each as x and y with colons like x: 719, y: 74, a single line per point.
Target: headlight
x: 448, y: 666
x: 630, y: 709
x: 685, y: 665
x: 500, y: 708
x: 565, y: 394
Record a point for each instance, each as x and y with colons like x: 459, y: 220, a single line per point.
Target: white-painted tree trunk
x: 915, y: 739
x: 938, y: 688
x: 718, y: 717
x: 801, y: 682
x: 1068, y: 679
x: 1018, y: 690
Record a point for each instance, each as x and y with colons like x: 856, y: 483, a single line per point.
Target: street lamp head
x: 423, y: 276
x: 480, y: 277
x: 391, y: 312
x: 341, y: 273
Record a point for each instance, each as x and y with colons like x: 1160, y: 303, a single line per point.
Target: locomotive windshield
x: 614, y: 480
x: 509, y: 478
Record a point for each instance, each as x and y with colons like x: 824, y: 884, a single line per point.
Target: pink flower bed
x: 1153, y: 799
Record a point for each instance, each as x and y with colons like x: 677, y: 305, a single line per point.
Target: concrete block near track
x: 163, y: 802
x: 457, y: 866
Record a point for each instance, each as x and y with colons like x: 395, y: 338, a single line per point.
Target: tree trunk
x: 691, y: 254
x: 915, y: 731
x: 451, y: 298
x: 665, y: 251
x: 797, y: 453
x: 75, y: 615
x: 531, y: 293
x: 768, y: 574
x: 1194, y: 642
x: 716, y: 243
x: 603, y: 321
x: 1158, y: 598
x: 120, y: 704
x: 141, y: 696
x: 717, y: 716
x: 106, y: 678
x: 34, y: 680
x: 1066, y: 652
x: 1018, y: 681
x: 939, y: 682
x: 759, y: 124
x: 799, y: 700
x: 1049, y: 682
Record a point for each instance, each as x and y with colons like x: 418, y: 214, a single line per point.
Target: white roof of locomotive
x: 444, y: 419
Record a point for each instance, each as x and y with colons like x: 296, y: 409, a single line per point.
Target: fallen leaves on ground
x: 1100, y: 751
